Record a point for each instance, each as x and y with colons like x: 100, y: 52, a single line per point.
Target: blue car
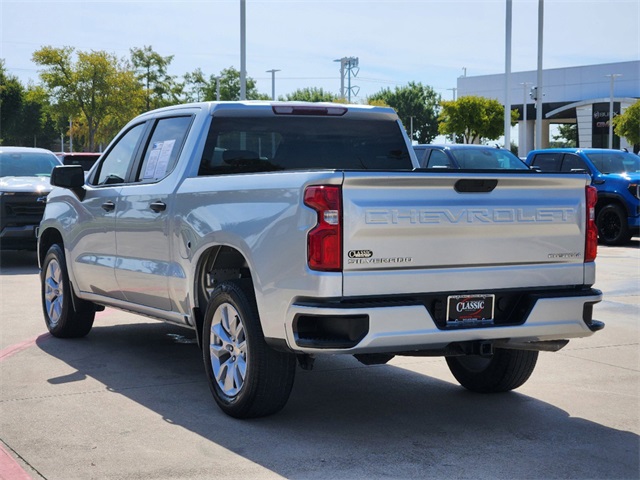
x: 616, y: 175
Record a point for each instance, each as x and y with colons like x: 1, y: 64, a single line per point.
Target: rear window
x: 26, y: 164
x: 487, y: 159
x: 259, y: 144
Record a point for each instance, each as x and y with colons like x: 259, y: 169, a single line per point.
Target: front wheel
x: 503, y: 371
x: 65, y: 314
x: 246, y: 377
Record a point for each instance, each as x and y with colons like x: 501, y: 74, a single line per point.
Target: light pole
x: 243, y: 51
x: 217, y: 88
x: 453, y: 135
x: 612, y: 76
x: 273, y: 82
x: 507, y: 78
x: 538, y: 142
x: 524, y: 118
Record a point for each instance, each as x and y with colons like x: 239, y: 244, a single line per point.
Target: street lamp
x: 243, y: 51
x: 273, y: 83
x: 524, y: 118
x: 612, y: 76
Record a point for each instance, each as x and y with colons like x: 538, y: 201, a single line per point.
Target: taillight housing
x: 591, y: 240
x: 324, y: 241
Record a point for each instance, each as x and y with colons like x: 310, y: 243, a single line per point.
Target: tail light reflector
x: 591, y: 241
x: 324, y: 242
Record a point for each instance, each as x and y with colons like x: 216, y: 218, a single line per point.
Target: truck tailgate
x: 443, y: 232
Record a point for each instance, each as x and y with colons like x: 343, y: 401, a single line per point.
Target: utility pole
x: 347, y: 66
x: 612, y: 76
x: 273, y: 83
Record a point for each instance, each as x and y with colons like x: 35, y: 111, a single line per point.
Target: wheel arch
x: 605, y: 199
x: 47, y: 238
x: 216, y: 264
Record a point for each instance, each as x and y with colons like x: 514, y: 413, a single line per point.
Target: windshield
x: 487, y: 159
x: 615, y: 162
x: 26, y: 164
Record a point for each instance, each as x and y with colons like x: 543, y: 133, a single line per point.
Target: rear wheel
x: 612, y: 225
x: 65, y: 314
x: 246, y: 377
x: 503, y: 371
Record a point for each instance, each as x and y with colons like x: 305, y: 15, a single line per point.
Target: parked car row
x: 24, y: 186
x: 614, y: 173
x: 25, y: 172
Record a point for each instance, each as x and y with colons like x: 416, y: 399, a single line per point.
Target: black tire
x: 65, y: 314
x: 503, y: 371
x: 246, y: 377
x: 612, y: 225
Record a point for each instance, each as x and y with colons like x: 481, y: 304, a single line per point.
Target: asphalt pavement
x: 130, y: 401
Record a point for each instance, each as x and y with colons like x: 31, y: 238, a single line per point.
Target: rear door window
x: 163, y: 148
x: 548, y: 162
x: 438, y: 159
x: 573, y: 163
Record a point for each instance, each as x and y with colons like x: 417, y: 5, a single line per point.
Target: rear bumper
x: 370, y: 328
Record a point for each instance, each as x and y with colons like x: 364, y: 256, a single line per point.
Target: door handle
x: 108, y: 206
x: 158, y: 206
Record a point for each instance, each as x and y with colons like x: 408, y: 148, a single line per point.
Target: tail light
x: 591, y: 241
x: 324, y: 242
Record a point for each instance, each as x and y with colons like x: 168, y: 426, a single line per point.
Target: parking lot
x: 130, y: 401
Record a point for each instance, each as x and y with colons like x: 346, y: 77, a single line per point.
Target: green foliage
x: 160, y: 88
x: 416, y: 101
x: 97, y: 90
x: 11, y: 93
x: 567, y: 136
x: 229, y: 86
x: 195, y: 84
x: 310, y: 94
x: 475, y: 118
x: 627, y: 125
x: 25, y: 118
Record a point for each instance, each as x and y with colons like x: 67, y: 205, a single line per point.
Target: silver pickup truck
x: 283, y: 231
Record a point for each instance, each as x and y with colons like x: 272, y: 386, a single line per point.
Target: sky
x: 395, y: 41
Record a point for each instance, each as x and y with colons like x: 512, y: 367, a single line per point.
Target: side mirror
x: 69, y: 176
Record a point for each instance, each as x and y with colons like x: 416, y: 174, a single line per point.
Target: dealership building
x: 579, y: 95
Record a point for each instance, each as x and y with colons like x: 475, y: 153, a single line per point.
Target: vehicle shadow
x: 344, y: 420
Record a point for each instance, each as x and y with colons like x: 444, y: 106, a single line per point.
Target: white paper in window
x: 153, y: 160
x: 163, y: 158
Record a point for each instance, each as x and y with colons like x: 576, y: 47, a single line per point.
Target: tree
x: 567, y: 136
x: 310, y: 94
x: 415, y: 104
x: 11, y: 97
x: 195, y: 84
x: 475, y: 118
x: 627, y: 125
x: 230, y: 87
x: 151, y: 71
x: 95, y: 88
x: 25, y: 114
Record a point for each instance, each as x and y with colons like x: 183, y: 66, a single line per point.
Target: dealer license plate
x: 470, y: 310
